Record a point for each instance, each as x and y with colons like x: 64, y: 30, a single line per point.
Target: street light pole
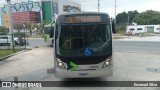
x: 98, y: 5
x: 24, y: 26
x: 115, y: 21
x: 128, y: 19
x: 115, y: 10
x: 10, y: 22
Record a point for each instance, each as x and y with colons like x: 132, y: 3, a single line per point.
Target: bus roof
x: 81, y: 13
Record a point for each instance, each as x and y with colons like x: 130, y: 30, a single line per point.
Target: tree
x: 28, y: 27
x: 126, y: 18
x: 18, y: 26
x: 121, y: 18
x: 147, y: 17
x: 132, y: 15
x: 41, y: 26
x: 3, y: 30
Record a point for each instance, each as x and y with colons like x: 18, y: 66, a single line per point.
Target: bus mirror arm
x: 52, y: 24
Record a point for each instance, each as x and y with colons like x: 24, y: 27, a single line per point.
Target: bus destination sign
x: 82, y: 19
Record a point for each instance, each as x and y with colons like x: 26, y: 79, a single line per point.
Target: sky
x: 108, y: 6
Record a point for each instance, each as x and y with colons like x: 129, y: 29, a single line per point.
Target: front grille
x: 85, y: 60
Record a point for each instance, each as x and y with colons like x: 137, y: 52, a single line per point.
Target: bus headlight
x: 60, y: 63
x: 106, y: 63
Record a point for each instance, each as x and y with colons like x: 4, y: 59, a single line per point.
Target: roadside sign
x: 6, y: 21
x: 88, y: 51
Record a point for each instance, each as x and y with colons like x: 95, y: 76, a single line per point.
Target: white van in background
x: 5, y: 40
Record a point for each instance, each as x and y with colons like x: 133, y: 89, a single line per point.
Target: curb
x: 27, y: 49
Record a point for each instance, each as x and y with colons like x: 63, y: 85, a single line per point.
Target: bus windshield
x: 73, y: 39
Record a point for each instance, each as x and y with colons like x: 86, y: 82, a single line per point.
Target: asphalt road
x: 136, y: 46
x: 33, y: 42
x: 133, y: 61
x: 118, y: 46
x: 37, y: 42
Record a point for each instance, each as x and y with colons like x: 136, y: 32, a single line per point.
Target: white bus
x: 83, y: 45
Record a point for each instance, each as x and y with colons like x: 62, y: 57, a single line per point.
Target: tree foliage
x: 126, y: 17
x: 121, y: 18
x: 41, y: 26
x: 18, y: 26
x: 3, y: 30
x: 132, y: 15
x: 148, y: 17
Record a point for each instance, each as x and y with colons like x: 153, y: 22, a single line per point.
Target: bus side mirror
x: 113, y: 26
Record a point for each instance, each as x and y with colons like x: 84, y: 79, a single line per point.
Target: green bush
x: 46, y: 37
x: 121, y: 29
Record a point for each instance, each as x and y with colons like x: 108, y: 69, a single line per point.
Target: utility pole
x: 10, y: 22
x: 98, y: 5
x: 24, y: 26
x: 115, y: 21
x: 128, y: 19
x: 115, y: 10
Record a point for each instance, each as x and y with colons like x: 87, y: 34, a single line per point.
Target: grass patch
x: 4, y: 53
x: 118, y: 37
x: 117, y: 34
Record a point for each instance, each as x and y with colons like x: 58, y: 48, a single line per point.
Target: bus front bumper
x: 104, y: 72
